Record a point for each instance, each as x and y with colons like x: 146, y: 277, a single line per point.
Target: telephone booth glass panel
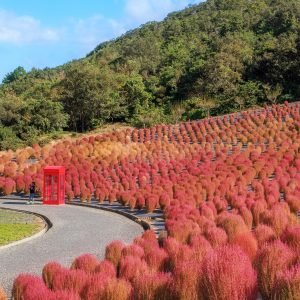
x: 62, y: 186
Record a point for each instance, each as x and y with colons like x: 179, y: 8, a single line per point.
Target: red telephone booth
x: 54, y: 185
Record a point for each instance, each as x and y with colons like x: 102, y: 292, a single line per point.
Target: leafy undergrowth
x: 15, y: 226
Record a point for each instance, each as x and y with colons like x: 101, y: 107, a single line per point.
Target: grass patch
x: 15, y: 226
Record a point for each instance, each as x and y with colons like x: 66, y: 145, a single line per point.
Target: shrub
x: 232, y: 224
x: 133, y: 250
x: 116, y: 289
x: 85, y: 262
x: 263, y: 234
x: 113, y: 252
x: 2, y: 295
x: 186, y: 281
x: 247, y: 242
x: 200, y: 247
x: 216, y: 236
x: 157, y: 259
x: 37, y: 292
x: 49, y: 272
x: 271, y: 259
x: 132, y: 267
x: 227, y: 273
x: 151, y: 203
x: 152, y: 286
x: 94, y: 286
x: 287, y: 285
x: 291, y: 236
x: 70, y: 280
x: 149, y: 235
x: 106, y: 267
x: 164, y: 201
x: 277, y: 218
x: 9, y: 186
x: 64, y: 295
x: 26, y: 283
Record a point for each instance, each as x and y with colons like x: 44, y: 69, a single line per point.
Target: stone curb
x: 47, y: 226
x: 144, y: 224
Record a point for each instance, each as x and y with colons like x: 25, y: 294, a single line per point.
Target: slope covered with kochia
x: 229, y: 187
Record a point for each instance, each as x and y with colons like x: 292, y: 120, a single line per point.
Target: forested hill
x: 215, y: 57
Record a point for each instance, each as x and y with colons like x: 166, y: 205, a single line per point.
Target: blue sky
x: 47, y: 33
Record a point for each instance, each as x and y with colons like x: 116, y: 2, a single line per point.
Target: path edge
x: 143, y: 223
x: 47, y: 222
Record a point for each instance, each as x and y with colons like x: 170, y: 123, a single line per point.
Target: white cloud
x: 23, y: 29
x: 84, y: 34
x: 89, y: 32
x: 148, y: 10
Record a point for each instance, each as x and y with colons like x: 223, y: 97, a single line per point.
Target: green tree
x: 16, y: 74
x: 45, y: 115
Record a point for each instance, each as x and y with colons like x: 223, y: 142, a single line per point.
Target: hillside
x: 216, y: 57
x: 228, y: 187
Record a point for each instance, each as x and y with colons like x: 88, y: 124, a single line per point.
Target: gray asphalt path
x: 75, y: 231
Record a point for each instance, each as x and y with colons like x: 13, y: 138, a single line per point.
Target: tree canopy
x: 215, y: 57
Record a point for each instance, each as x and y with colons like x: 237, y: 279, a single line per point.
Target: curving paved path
x: 75, y: 230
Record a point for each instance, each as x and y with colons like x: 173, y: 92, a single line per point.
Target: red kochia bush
x: 291, y: 236
x: 264, y: 233
x: 85, y: 262
x: 134, y: 250
x: 113, y: 252
x: 151, y: 203
x: 277, y: 218
x: 49, y: 272
x: 247, y: 242
x: 152, y: 286
x: 227, y: 273
x: 287, y: 285
x: 232, y: 224
x: 116, y: 289
x: 156, y: 259
x: 186, y: 280
x: 94, y: 286
x: 132, y: 267
x: 70, y: 280
x: 2, y: 294
x: 26, y: 283
x: 271, y: 259
x: 216, y: 236
x: 200, y: 247
x: 37, y: 292
x: 64, y: 295
x: 106, y: 267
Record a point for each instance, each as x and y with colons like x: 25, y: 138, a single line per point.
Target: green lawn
x: 15, y: 226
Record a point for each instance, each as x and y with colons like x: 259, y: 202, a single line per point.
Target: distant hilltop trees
x: 215, y: 57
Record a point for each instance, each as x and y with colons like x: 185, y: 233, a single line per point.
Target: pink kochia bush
x: 49, y: 272
x: 227, y: 273
x: 86, y: 262
x: 287, y: 284
x: 2, y: 294
x: 30, y: 287
x: 113, y: 252
x: 291, y: 236
x: 272, y: 259
x: 186, y: 279
x: 229, y: 189
x: 152, y: 286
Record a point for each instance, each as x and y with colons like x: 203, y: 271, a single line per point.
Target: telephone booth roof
x: 54, y: 168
